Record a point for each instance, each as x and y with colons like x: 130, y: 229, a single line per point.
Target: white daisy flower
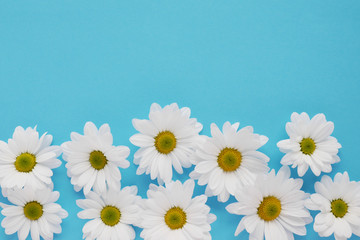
x: 166, y: 140
x: 229, y: 160
x: 33, y: 211
x: 27, y: 160
x: 111, y: 214
x: 171, y: 213
x: 93, y: 161
x: 273, y: 207
x: 6, y: 191
x: 310, y: 144
x: 339, y: 204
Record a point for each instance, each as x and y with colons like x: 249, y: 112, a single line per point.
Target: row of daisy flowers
x: 228, y: 163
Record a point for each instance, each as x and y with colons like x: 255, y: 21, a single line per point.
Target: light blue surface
x: 63, y: 63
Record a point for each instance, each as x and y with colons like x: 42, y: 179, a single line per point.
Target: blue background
x: 63, y: 63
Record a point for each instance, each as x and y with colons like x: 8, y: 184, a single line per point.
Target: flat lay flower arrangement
x: 270, y: 204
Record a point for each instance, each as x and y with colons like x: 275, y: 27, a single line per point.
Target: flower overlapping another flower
x: 229, y: 163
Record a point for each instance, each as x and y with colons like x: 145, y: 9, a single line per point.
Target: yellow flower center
x: 110, y: 215
x: 175, y: 218
x: 25, y: 162
x: 229, y: 159
x: 307, y: 146
x: 33, y: 210
x: 165, y: 142
x: 339, y: 208
x: 269, y: 209
x: 97, y: 160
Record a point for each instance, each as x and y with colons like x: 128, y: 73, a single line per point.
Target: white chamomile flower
x: 111, y: 214
x: 171, y: 213
x: 6, y: 191
x: 33, y: 211
x: 27, y: 160
x: 273, y: 206
x: 166, y: 140
x: 229, y: 160
x: 93, y: 161
x: 339, y: 204
x: 310, y: 144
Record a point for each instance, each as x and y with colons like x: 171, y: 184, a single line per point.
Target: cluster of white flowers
x: 229, y: 163
x: 93, y: 166
x: 25, y: 176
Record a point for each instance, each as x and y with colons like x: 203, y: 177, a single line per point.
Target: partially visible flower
x: 310, y: 144
x: 273, y: 207
x: 166, y: 140
x: 111, y: 214
x: 339, y: 204
x: 27, y: 160
x: 6, y: 191
x: 33, y: 211
x: 171, y: 213
x: 93, y: 161
x: 229, y: 160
